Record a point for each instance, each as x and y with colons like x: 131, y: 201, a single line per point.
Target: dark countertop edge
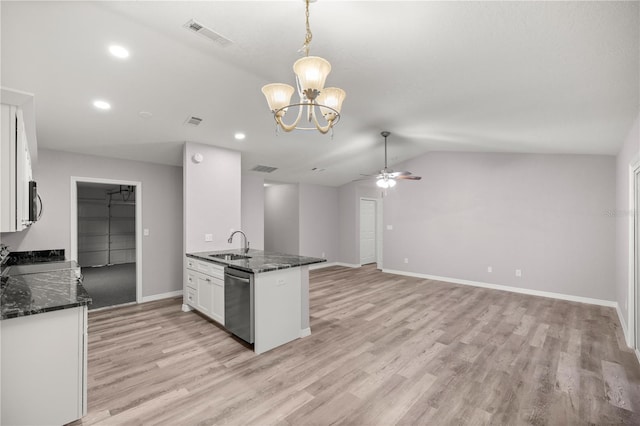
x: 205, y: 256
x: 19, y: 314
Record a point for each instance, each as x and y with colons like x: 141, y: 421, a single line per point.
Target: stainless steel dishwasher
x: 238, y: 303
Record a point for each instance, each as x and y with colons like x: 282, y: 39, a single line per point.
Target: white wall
x: 282, y: 219
x: 629, y: 152
x: 543, y: 214
x: 212, y: 191
x: 253, y: 210
x: 319, y: 221
x: 161, y: 212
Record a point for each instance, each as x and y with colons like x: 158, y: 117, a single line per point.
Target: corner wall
x: 319, y: 221
x: 282, y: 219
x: 546, y: 215
x: 253, y: 210
x: 212, y: 191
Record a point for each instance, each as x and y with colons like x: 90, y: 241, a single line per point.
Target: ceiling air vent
x: 264, y: 169
x: 193, y: 121
x: 198, y: 28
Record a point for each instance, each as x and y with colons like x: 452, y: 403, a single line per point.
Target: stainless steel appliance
x: 238, y: 303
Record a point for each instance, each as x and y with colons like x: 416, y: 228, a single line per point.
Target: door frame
x: 74, y: 221
x: 379, y: 230
x: 634, y: 251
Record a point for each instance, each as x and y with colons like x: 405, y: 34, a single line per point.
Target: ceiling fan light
x: 331, y: 97
x: 312, y: 71
x: 392, y: 183
x: 278, y: 96
x: 383, y: 183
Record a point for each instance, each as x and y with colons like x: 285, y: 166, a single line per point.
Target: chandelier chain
x: 308, y: 36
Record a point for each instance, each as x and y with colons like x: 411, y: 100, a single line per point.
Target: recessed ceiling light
x: 102, y: 105
x: 239, y: 136
x: 118, y: 51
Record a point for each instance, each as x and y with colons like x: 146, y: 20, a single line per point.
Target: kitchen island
x: 43, y: 323
x: 280, y: 291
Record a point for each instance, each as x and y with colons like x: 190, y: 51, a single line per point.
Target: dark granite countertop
x: 36, y: 293
x: 38, y: 267
x: 260, y: 261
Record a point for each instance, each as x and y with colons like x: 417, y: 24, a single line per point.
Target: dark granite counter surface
x: 36, y: 293
x: 38, y: 267
x: 260, y: 261
x: 34, y: 256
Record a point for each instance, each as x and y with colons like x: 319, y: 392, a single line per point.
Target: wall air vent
x: 198, y: 28
x: 264, y: 169
x: 193, y: 121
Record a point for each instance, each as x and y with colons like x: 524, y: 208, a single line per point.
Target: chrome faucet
x: 246, y: 242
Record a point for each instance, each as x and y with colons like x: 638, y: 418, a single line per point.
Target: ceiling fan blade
x: 397, y: 174
x: 409, y: 177
x: 363, y: 178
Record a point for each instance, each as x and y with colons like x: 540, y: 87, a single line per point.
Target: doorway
x: 368, y: 231
x: 106, y: 241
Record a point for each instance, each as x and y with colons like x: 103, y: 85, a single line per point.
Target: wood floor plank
x: 384, y: 350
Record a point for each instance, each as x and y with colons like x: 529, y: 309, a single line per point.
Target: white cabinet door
x: 43, y: 368
x: 218, y: 300
x: 15, y: 171
x: 204, y: 288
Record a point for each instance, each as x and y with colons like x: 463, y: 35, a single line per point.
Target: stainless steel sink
x: 230, y: 256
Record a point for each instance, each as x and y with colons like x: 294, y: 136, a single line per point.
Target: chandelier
x: 311, y: 73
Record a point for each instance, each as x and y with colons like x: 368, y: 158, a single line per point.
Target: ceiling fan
x: 387, y: 177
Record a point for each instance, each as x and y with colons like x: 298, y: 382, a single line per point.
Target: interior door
x: 367, y: 231
x: 636, y: 255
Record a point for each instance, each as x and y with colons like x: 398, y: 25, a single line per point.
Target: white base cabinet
x: 204, y: 288
x: 44, y: 366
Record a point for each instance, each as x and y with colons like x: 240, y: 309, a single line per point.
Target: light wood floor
x: 384, y: 350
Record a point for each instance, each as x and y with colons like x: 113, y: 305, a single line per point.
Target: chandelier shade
x: 330, y: 102
x: 312, y: 72
x: 278, y: 96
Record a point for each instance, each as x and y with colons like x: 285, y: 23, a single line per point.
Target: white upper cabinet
x: 17, y: 152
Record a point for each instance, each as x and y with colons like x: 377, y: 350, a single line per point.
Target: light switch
x: 146, y: 232
x: 389, y: 227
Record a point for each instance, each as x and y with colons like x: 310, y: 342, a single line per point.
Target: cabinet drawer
x: 210, y: 268
x: 190, y: 263
x: 191, y: 279
x: 191, y: 296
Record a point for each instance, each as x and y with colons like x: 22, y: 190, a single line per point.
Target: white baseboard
x: 329, y: 264
x: 305, y: 332
x: 571, y: 298
x: 161, y: 296
x: 186, y: 308
x: 623, y: 323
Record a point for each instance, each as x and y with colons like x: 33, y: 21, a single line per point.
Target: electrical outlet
x: 145, y: 232
x: 389, y: 227
x: 323, y: 255
x: 489, y: 269
x: 518, y: 272
x: 406, y: 260
x: 208, y: 237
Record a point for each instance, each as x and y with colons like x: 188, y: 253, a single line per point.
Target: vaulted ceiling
x: 534, y: 77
